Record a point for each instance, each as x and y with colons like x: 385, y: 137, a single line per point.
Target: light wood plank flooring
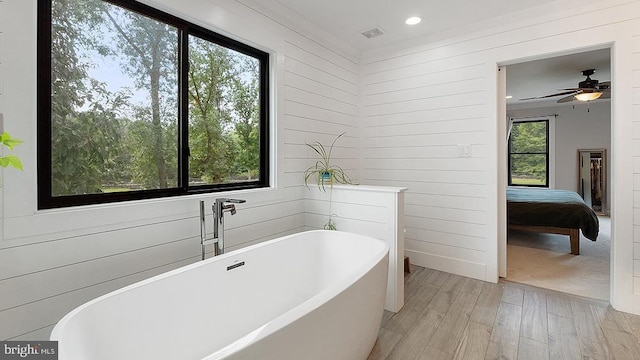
x: 447, y: 316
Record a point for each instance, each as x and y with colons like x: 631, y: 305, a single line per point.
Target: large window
x: 134, y: 103
x: 529, y: 153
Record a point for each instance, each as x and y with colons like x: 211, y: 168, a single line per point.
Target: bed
x: 552, y: 211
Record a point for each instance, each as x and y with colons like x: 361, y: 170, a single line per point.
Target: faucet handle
x: 226, y: 204
x: 228, y: 200
x: 230, y: 207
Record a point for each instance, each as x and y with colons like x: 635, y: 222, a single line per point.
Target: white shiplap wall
x: 373, y: 211
x: 321, y: 102
x: 54, y: 260
x: 417, y: 109
x: 635, y: 96
x: 424, y: 97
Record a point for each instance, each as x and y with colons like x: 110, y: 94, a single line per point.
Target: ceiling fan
x: 587, y: 90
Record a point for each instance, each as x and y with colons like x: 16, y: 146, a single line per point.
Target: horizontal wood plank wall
x: 377, y: 212
x: 53, y: 261
x: 321, y: 91
x: 424, y: 97
x: 635, y: 78
x: 415, y: 115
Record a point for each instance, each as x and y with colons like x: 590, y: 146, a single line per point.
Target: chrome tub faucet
x: 221, y: 206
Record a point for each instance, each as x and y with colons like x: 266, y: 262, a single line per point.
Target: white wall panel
x: 452, y: 87
x: 320, y: 62
x: 419, y: 139
x: 321, y: 91
x: 304, y: 81
x: 635, y: 83
x: 423, y: 80
x: 422, y: 151
x: 477, y: 217
x: 452, y: 226
x: 432, y: 99
x: 50, y: 282
x: 429, y: 125
x: 377, y: 212
x: 300, y: 67
x: 318, y: 112
x: 446, y: 201
x: 442, y: 164
x: 307, y: 97
x: 437, y: 176
x: 636, y: 170
x: 20, y: 321
x: 446, y: 238
x: 437, y: 113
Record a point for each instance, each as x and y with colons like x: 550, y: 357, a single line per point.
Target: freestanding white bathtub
x: 313, y: 295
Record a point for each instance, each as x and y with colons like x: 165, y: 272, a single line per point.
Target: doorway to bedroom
x: 559, y: 157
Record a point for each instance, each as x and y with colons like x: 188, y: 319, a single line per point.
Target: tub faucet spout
x: 219, y: 208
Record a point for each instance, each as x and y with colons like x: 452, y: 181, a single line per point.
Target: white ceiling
x: 347, y: 19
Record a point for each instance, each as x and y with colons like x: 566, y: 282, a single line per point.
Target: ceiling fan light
x: 588, y: 96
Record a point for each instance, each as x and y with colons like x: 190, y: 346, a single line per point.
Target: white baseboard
x: 454, y: 266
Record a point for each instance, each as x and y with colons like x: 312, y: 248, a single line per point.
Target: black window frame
x: 546, y: 153
x: 185, y: 29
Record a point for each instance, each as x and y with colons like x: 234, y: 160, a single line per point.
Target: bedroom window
x: 134, y: 103
x: 529, y: 153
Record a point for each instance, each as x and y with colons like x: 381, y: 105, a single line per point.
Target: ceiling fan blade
x: 605, y: 83
x: 548, y: 96
x: 566, y: 99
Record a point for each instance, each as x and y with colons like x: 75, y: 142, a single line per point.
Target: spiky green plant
x: 323, y: 170
x: 330, y: 225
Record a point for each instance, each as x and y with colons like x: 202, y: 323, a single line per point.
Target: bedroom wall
x: 52, y: 261
x: 583, y: 126
x: 425, y: 97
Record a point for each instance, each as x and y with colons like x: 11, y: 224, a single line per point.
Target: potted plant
x: 324, y: 172
x: 10, y: 160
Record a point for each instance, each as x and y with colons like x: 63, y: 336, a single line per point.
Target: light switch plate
x: 464, y: 150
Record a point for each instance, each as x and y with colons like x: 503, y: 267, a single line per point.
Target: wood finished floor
x: 447, y: 316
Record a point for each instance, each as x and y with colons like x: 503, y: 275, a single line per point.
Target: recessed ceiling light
x: 413, y: 20
x: 508, y: 97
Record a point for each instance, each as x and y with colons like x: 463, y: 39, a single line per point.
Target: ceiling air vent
x: 375, y: 32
